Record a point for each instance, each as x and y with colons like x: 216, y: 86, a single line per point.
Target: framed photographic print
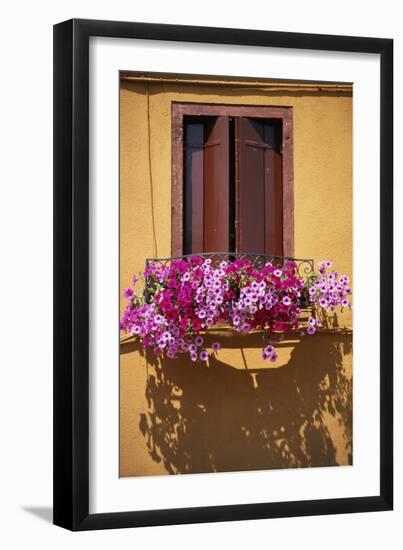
x: 223, y: 274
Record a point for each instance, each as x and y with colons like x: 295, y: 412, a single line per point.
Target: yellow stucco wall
x: 183, y: 418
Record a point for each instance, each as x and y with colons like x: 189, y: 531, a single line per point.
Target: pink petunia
x: 128, y: 293
x: 198, y: 341
x: 216, y: 346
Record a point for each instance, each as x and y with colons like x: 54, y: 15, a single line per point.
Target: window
x: 232, y: 179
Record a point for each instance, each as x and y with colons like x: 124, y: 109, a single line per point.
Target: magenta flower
x: 203, y: 356
x: 216, y: 346
x: 198, y: 341
x: 128, y: 293
x: 266, y: 355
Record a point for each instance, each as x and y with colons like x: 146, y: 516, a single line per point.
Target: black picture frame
x: 71, y: 274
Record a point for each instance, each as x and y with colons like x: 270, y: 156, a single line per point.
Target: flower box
x: 187, y: 295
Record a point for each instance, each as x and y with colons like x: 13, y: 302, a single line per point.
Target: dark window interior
x: 233, y: 185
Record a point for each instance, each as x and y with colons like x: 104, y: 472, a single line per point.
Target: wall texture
x: 239, y: 413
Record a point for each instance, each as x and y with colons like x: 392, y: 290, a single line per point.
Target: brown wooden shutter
x: 259, y: 218
x: 274, y: 203
x: 216, y: 185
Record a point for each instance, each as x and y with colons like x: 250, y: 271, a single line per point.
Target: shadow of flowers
x: 219, y: 418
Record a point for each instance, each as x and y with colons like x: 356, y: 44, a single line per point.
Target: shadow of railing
x: 220, y: 418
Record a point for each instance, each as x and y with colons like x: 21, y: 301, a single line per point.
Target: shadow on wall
x: 219, y: 418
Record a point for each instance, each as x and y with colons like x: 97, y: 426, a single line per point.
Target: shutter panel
x: 216, y: 185
x: 250, y: 199
x: 193, y: 208
x: 259, y: 220
x: 273, y: 203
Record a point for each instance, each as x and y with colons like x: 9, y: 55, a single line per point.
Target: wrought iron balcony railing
x: 304, y: 266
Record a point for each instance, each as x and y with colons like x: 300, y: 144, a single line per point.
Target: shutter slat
x: 216, y: 185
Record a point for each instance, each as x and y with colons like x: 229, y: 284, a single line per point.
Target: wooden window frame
x: 179, y: 111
